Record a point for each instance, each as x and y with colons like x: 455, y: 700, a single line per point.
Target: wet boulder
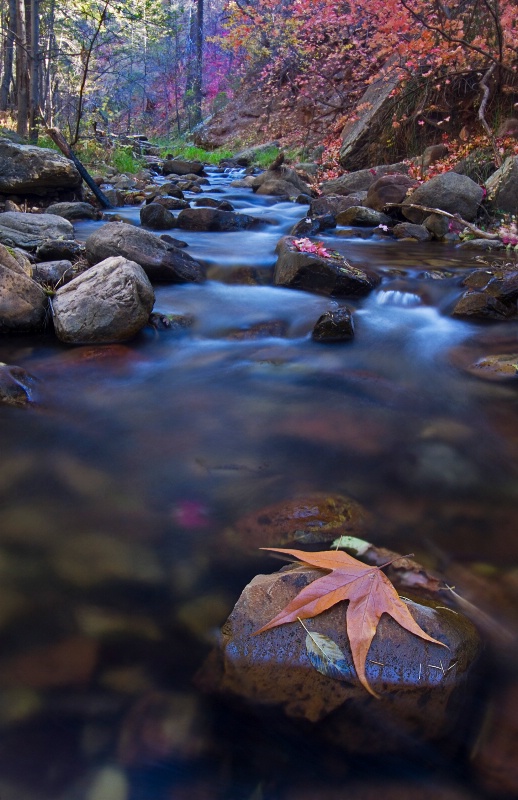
x: 26, y: 169
x: 422, y: 686
x: 15, y: 385
x: 18, y: 229
x: 108, y: 303
x: 312, y: 519
x: 310, y: 226
x: 160, y: 261
x: 73, y: 211
x: 23, y: 303
x: 157, y: 217
x: 335, y: 325
x: 332, y: 275
x: 213, y: 219
x: 450, y: 192
x: 171, y: 203
x: 491, y: 294
x: 502, y: 186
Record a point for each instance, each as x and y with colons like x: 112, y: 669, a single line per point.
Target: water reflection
x: 119, y: 487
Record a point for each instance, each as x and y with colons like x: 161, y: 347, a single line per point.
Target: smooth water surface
x: 119, y: 486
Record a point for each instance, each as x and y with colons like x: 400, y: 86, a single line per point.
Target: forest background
x: 298, y: 67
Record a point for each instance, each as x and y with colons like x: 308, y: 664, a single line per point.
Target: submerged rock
x: 108, y: 303
x: 161, y: 261
x: 422, y: 686
x: 15, y: 385
x: 328, y: 275
x: 311, y: 519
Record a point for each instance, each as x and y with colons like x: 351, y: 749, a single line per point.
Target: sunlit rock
x: 23, y: 303
x: 34, y: 170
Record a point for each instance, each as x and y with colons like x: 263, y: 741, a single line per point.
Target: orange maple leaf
x: 370, y: 594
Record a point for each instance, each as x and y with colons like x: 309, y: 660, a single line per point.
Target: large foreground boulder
x: 450, y: 192
x: 23, y: 304
x: 108, y: 303
x: 332, y: 275
x: 422, y: 686
x: 30, y: 231
x: 34, y: 170
x: 160, y: 261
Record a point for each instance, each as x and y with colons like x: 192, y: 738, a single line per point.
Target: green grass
x: 124, y: 160
x: 179, y: 148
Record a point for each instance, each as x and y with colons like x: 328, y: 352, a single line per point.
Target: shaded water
x: 118, y: 487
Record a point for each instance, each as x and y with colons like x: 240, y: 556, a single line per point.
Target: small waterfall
x: 396, y: 297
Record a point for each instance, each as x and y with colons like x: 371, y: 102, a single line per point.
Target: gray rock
x: 334, y: 276
x: 417, y: 700
x: 212, y: 219
x: 280, y: 181
x: 160, y: 261
x: 360, y: 215
x: 23, y: 304
x: 72, y: 211
x: 34, y: 170
x: 437, y: 225
x: 15, y: 385
x: 310, y: 226
x: 502, y: 186
x: 361, y: 180
x: 30, y: 231
x: 450, y: 192
x: 108, y: 303
x: 335, y: 203
x: 59, y: 250
x: 407, y: 230
x: 335, y: 325
x: 171, y: 203
x: 52, y: 273
x: 11, y: 259
x: 176, y: 166
x: 157, y: 217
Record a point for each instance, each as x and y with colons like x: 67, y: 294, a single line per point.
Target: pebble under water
x: 120, y: 485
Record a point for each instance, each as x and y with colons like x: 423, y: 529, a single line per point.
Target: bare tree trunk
x: 22, y: 72
x: 58, y: 139
x: 194, y: 82
x: 7, y: 76
x: 34, y: 86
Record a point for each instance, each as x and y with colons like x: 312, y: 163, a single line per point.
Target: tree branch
x: 473, y: 228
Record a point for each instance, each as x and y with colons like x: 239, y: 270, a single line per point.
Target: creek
x: 118, y: 487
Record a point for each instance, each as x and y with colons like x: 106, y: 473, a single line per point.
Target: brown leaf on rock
x: 370, y: 595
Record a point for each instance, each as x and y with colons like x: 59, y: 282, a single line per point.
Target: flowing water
x: 119, y: 485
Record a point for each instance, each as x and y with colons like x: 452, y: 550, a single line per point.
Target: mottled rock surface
x: 334, y: 326
x: 450, y: 192
x: 23, y: 304
x: 108, y: 303
x: 34, y: 170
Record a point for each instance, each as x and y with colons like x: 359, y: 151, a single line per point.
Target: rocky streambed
x: 142, y: 476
